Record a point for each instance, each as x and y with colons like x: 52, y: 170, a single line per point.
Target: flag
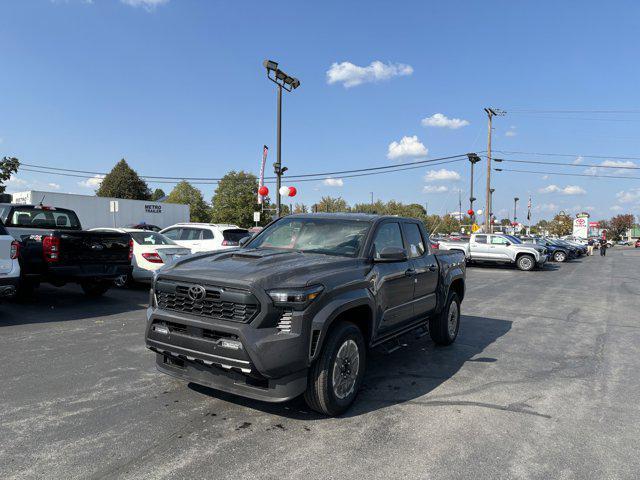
x: 529, y: 209
x: 265, y: 150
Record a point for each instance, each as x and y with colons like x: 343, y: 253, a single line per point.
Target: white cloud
x: 620, y: 170
x: 333, y: 182
x: 546, y: 207
x: 407, y: 147
x: 351, y: 75
x: 441, y: 175
x: 435, y: 189
x: 568, y: 190
x: 628, y: 196
x: 545, y: 177
x: 511, y: 132
x: 578, y: 160
x: 93, y: 182
x: 53, y: 186
x: 146, y: 4
x: 442, y: 121
x: 615, y: 208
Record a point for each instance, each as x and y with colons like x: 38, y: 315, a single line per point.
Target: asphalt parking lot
x: 543, y: 382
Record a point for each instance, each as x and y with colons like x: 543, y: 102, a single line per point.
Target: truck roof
x: 367, y: 217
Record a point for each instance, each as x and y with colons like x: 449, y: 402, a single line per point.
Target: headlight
x: 297, y: 298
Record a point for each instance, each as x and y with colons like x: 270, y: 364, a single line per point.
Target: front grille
x: 194, y: 332
x: 235, y: 312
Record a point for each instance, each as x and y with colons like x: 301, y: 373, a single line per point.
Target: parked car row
x: 46, y: 244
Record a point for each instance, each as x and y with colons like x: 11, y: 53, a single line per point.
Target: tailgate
x: 93, y: 247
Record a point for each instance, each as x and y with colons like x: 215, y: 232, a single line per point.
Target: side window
x: 498, y: 240
x: 173, y: 234
x: 388, y: 235
x: 481, y: 239
x: 207, y: 235
x: 190, y: 234
x: 415, y: 240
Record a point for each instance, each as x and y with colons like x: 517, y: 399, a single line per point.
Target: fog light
x: 161, y: 329
x: 231, y: 344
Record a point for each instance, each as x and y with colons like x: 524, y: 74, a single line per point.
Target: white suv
x: 206, y: 237
x: 9, y: 267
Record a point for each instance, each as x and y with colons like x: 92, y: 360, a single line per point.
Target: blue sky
x: 177, y: 88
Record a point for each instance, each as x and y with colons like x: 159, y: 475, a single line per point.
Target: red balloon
x: 470, y: 212
x: 263, y: 191
x: 292, y: 191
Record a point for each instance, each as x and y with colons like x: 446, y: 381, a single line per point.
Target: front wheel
x: 335, y: 377
x: 444, y: 328
x: 559, y: 256
x: 95, y: 289
x: 526, y: 263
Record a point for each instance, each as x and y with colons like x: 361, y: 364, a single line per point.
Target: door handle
x: 432, y: 268
x: 410, y: 272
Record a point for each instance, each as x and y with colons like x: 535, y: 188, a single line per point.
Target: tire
x: 444, y: 327
x: 95, y: 289
x: 560, y: 256
x: 122, y: 281
x: 526, y: 263
x: 326, y: 393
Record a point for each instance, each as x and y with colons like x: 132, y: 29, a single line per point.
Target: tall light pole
x: 491, y: 112
x: 288, y: 83
x: 515, y: 210
x: 473, y: 159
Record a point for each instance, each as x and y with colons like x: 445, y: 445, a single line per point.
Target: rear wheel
x: 444, y: 328
x: 335, y: 377
x: 95, y: 289
x: 525, y: 263
x: 559, y: 256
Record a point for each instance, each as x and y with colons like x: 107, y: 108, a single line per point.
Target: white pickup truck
x: 499, y: 248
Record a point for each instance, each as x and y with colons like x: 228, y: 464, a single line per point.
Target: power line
x: 575, y: 155
x: 537, y: 162
x: 156, y: 179
x: 566, y: 174
x: 573, y: 111
x: 216, y: 181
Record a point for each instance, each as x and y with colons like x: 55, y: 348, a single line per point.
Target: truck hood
x: 265, y: 268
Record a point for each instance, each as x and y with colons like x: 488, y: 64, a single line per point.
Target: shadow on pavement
x: 53, y: 304
x: 402, y: 376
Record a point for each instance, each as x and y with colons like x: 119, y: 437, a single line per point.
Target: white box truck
x: 96, y: 212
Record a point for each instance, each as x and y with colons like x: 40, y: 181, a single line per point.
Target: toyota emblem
x: 197, y: 292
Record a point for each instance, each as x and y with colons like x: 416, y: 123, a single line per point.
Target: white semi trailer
x: 103, y: 212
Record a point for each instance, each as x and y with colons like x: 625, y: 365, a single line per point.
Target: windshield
x: 314, y: 235
x: 43, y: 217
x: 151, y: 238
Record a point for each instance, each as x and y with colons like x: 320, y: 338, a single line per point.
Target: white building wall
x: 94, y: 211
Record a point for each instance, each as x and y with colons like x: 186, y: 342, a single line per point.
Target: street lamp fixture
x: 288, y: 83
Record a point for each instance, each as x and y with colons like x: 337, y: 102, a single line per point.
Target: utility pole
x: 460, y: 205
x: 491, y: 112
x: 371, y: 202
x: 473, y: 159
x: 515, y: 209
x: 491, y: 190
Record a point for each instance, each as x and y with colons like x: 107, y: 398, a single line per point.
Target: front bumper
x: 542, y: 260
x: 255, y: 359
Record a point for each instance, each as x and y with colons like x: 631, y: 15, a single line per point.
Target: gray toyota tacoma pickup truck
x: 294, y: 310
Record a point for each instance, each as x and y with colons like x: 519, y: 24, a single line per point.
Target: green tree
x: 332, y: 205
x: 561, y: 225
x: 234, y: 201
x: 157, y: 194
x: 123, y: 182
x: 619, y: 225
x: 378, y: 207
x: 300, y: 208
x: 8, y: 166
x: 187, y: 194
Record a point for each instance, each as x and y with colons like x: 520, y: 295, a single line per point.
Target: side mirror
x: 244, y: 240
x: 392, y: 254
x: 508, y: 244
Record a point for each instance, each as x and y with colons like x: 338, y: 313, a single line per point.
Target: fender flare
x: 327, y: 315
